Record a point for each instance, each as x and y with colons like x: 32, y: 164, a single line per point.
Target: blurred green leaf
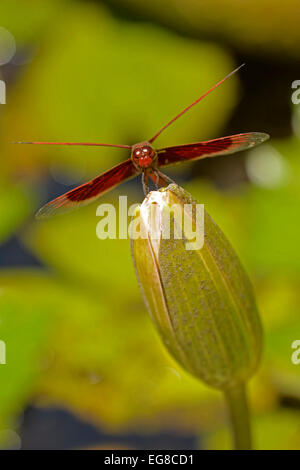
x: 70, y: 245
x: 274, y: 431
x: 15, y: 206
x: 27, y: 24
x: 103, y: 359
x: 23, y: 330
x: 246, y: 29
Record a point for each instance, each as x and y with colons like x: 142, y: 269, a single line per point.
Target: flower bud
x: 197, y: 292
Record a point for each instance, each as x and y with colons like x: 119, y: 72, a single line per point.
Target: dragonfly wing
x: 210, y: 148
x: 89, y: 191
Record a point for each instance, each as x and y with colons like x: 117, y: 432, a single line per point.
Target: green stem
x: 239, y: 414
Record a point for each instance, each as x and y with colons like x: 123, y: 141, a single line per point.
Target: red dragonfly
x: 147, y: 160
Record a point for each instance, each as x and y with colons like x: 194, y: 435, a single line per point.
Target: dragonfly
x: 147, y: 160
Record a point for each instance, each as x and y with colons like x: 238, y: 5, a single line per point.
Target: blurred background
x: 84, y: 366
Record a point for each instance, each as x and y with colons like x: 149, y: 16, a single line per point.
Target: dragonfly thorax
x: 143, y: 155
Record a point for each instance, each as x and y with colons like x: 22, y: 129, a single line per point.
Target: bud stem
x: 239, y: 415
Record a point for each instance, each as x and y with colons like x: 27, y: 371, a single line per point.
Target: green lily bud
x: 196, y: 291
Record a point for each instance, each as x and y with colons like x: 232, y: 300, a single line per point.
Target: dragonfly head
x: 143, y: 155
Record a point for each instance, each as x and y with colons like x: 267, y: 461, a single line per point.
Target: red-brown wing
x: 89, y: 191
x: 210, y: 148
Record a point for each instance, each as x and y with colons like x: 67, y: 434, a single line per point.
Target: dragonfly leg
x: 164, y: 177
x: 145, y: 183
x: 156, y: 182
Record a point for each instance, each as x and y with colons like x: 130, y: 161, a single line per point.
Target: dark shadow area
x: 55, y: 428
